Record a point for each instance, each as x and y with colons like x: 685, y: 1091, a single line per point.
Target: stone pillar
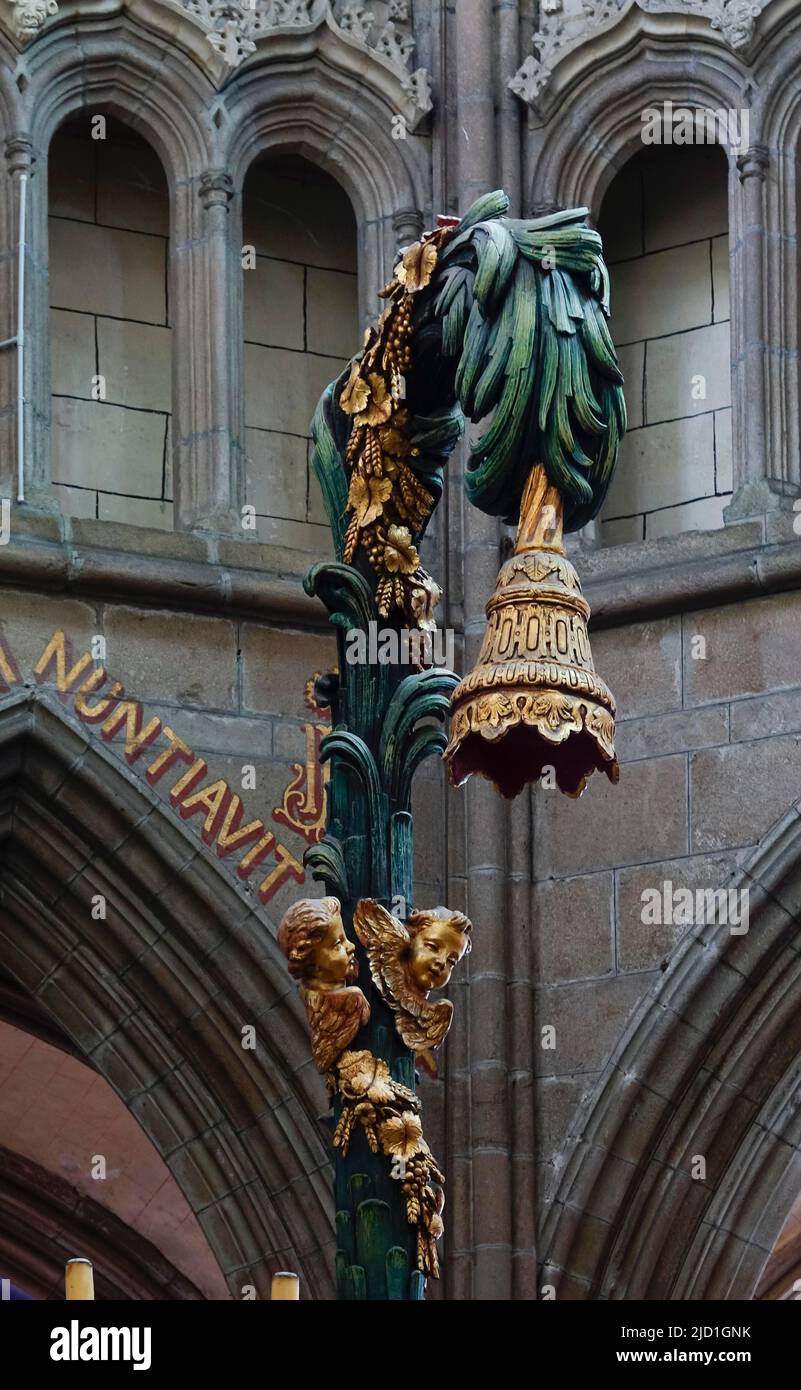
x: 20, y: 161
x: 207, y: 453
x: 407, y: 225
x: 9, y: 204
x: 510, y: 108
x: 488, y: 1140
x: 753, y: 494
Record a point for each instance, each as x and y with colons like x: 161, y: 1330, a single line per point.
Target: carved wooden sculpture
x: 503, y: 322
x: 407, y: 961
x: 322, y: 960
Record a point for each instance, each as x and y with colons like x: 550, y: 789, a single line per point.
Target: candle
x: 285, y: 1286
x: 79, y: 1279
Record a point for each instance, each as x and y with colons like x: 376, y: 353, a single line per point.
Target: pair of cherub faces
x: 406, y: 960
x: 326, y: 959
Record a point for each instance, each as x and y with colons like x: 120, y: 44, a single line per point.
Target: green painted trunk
x: 375, y: 746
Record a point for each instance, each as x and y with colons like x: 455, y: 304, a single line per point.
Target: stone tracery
x: 235, y: 29
x: 566, y: 24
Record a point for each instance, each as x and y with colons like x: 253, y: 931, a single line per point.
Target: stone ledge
x: 682, y: 583
x: 627, y: 583
x: 139, y: 565
x: 603, y: 562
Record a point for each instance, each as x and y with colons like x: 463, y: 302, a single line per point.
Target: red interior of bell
x: 522, y: 755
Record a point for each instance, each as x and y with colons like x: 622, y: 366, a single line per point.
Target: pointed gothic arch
x: 316, y: 114
x: 156, y: 995
x: 599, y: 93
x: 709, y: 1066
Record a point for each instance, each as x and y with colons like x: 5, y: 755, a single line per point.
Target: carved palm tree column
x: 502, y: 320
x: 378, y: 740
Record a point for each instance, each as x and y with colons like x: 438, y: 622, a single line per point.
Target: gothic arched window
x: 110, y: 337
x: 664, y: 224
x: 301, y: 326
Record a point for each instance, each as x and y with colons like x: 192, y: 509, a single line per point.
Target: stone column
x: 519, y: 1094
x: 488, y: 1140
x: 20, y: 161
x: 407, y: 224
x: 753, y: 494
x: 510, y: 108
x: 207, y: 454
x: 9, y: 204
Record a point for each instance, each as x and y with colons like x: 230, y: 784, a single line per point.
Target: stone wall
x: 665, y: 228
x: 110, y: 339
x: 709, y: 740
x: 109, y: 251
x: 301, y: 326
x: 233, y: 691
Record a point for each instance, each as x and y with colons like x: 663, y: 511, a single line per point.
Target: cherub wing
x: 335, y: 1017
x: 384, y: 938
x: 427, y: 1027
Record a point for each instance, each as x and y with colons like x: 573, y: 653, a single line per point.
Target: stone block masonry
x: 142, y: 709
x: 301, y: 327
x: 669, y: 269
x: 709, y: 734
x: 110, y: 337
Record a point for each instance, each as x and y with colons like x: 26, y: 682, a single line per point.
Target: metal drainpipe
x: 18, y: 340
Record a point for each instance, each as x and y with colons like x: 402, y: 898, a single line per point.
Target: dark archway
x: 709, y: 1066
x: 43, y: 1221
x: 155, y: 997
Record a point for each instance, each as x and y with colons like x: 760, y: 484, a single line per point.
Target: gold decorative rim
x: 554, y: 716
x: 585, y: 687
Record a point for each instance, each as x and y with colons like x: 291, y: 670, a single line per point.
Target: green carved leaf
x: 346, y: 1242
x: 422, y: 695
x: 345, y: 593
x: 351, y: 752
x: 424, y: 743
x: 397, y: 1273
x: 373, y: 1238
x: 326, y: 864
x: 341, y: 1275
x: 357, y: 1284
x: 401, y: 866
x: 327, y: 464
x: 351, y: 606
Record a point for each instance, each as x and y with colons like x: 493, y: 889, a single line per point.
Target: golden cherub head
x: 312, y: 938
x: 438, y: 940
x: 407, y: 960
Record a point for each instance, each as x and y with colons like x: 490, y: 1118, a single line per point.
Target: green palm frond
x: 512, y: 335
x: 521, y: 309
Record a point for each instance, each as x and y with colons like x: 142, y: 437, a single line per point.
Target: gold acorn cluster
x: 389, y: 1114
x: 387, y: 503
